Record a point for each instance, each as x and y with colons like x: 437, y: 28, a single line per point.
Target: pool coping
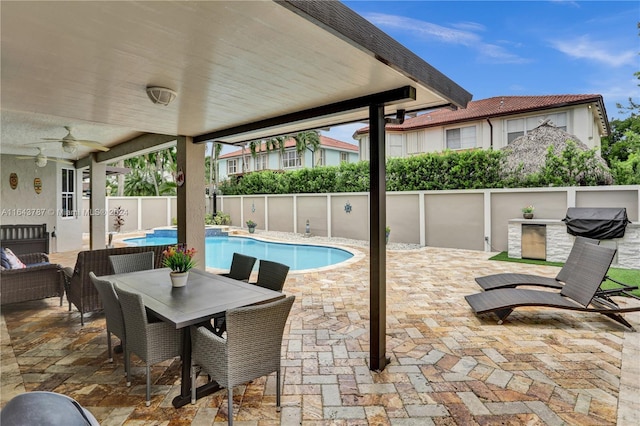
x: 357, y: 255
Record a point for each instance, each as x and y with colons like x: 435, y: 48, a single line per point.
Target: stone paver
x: 448, y: 366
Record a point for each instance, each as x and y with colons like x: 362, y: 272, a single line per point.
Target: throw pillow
x: 5, y: 260
x: 13, y: 260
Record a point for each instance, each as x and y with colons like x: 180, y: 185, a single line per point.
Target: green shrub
x: 473, y: 169
x: 220, y: 218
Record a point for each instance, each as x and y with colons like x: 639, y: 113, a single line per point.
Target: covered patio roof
x: 242, y: 71
x: 87, y: 65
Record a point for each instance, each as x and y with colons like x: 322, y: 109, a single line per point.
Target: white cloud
x: 423, y: 29
x: 585, y: 48
x: 463, y: 33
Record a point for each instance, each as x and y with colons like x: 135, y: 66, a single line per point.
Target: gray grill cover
x: 601, y: 223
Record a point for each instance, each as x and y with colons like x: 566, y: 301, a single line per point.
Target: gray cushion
x: 4, y: 259
x: 45, y: 408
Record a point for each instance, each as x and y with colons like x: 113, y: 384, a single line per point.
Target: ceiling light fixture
x: 69, y: 147
x: 41, y: 160
x: 161, y: 95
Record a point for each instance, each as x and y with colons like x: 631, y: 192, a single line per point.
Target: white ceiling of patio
x: 87, y: 65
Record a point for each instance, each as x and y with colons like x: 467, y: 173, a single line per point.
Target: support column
x: 377, y: 250
x: 97, y: 204
x: 191, y: 199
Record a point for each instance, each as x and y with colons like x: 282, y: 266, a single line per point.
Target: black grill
x: 601, y: 223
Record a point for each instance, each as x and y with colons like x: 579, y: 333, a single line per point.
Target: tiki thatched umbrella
x: 527, y: 154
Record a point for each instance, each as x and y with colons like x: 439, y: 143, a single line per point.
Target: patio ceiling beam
x: 390, y: 96
x: 149, y: 142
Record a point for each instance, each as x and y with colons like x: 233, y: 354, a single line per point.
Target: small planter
x: 179, y: 279
x: 252, y: 229
x: 527, y: 215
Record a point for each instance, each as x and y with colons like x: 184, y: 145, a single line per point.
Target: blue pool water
x: 219, y: 251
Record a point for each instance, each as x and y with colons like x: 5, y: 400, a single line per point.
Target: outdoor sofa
x: 25, y: 238
x: 39, y: 280
x: 80, y: 290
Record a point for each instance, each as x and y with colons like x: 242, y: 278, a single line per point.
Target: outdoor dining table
x: 204, y: 296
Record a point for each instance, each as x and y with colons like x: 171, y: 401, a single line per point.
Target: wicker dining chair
x: 112, y: 311
x: 153, y: 342
x: 241, y: 267
x: 272, y: 275
x: 123, y: 263
x: 252, y: 348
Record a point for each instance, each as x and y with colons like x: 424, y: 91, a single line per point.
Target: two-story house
x: 493, y: 123
x: 331, y: 152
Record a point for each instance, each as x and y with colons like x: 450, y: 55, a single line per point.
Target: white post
x: 295, y: 213
x: 487, y: 220
x: 329, y: 201
x: 421, y: 219
x: 266, y: 213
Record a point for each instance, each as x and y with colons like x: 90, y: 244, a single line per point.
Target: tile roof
x: 325, y: 142
x: 492, y: 107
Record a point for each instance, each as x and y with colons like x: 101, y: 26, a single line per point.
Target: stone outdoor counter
x: 559, y: 242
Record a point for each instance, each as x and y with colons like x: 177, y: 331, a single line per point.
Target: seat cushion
x: 31, y: 265
x: 14, y: 261
x: 4, y: 259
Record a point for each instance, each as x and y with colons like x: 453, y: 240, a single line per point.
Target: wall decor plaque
x: 13, y: 180
x: 180, y: 178
x: 37, y: 185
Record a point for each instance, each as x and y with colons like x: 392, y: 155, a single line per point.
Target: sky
x: 511, y: 48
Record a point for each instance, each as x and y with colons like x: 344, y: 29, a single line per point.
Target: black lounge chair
x: 510, y: 280
x: 579, y: 292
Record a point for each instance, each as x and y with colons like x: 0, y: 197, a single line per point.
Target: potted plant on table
x: 252, y: 226
x: 180, y: 260
x: 387, y: 232
x: 527, y: 212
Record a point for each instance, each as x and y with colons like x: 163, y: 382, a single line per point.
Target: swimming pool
x: 220, y: 249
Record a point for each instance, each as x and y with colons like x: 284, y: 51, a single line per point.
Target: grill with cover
x: 601, y: 223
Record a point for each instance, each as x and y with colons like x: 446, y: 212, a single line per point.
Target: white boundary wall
x: 466, y: 219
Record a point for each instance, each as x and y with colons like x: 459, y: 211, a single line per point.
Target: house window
x: 246, y: 163
x: 461, y: 138
x: 515, y: 129
x: 521, y: 126
x: 394, y: 146
x: 412, y: 143
x: 321, y: 158
x: 290, y: 159
x: 232, y: 166
x: 344, y: 157
x: 261, y: 162
x: 68, y: 192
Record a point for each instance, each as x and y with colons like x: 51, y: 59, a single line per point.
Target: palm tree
x: 212, y: 166
x: 151, y: 174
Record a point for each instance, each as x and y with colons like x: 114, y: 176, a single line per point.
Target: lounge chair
x: 510, y: 280
x: 579, y: 292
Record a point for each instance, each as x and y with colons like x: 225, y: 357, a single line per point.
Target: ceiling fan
x: 41, y: 159
x: 70, y: 143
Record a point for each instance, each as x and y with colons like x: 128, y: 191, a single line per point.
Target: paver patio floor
x: 448, y: 366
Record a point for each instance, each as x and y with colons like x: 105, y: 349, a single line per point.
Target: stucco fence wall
x: 465, y: 219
